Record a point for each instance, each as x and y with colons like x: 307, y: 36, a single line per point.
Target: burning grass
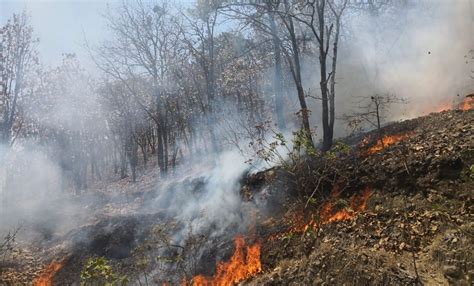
x: 244, y: 263
x: 466, y: 105
x: 385, y: 141
x: 47, y: 276
x: 330, y: 213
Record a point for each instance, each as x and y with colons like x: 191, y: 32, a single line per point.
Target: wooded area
x: 174, y: 83
x: 235, y: 142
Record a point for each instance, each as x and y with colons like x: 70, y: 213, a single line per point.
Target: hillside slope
x: 417, y: 226
x: 397, y: 213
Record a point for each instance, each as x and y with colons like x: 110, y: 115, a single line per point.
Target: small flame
x: 244, y: 263
x: 385, y: 142
x: 328, y: 215
x: 467, y: 104
x: 47, y: 276
x: 444, y: 106
x: 358, y: 204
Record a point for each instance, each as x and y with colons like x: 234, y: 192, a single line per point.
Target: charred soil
x: 417, y: 226
x: 398, y: 214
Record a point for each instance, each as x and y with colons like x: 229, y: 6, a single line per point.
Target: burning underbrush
x: 465, y: 105
x: 335, y: 209
x: 399, y: 214
x: 244, y: 263
x: 383, y: 142
x: 46, y: 278
x: 414, y: 227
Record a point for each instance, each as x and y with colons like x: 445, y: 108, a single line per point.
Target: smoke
x: 38, y: 172
x: 31, y: 193
x: 206, y: 200
x: 421, y: 55
x: 421, y: 51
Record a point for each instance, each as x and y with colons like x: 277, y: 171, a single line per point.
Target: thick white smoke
x: 207, y: 200
x: 422, y: 51
x: 31, y: 193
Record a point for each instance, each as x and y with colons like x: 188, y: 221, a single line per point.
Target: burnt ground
x: 417, y: 227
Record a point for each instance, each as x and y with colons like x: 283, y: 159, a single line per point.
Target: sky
x: 63, y: 25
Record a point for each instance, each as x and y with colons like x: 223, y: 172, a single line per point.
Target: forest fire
x: 466, y: 105
x: 329, y: 213
x: 358, y: 204
x: 244, y: 263
x: 385, y: 142
x: 444, y: 106
x: 47, y: 276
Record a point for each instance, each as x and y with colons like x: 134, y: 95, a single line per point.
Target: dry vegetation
x: 216, y: 144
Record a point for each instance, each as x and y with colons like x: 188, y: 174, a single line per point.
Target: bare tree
x: 278, y: 78
x: 372, y: 110
x: 294, y: 62
x: 64, y: 116
x: 200, y: 34
x: 17, y: 55
x: 323, y: 18
x: 144, y: 46
x: 276, y: 20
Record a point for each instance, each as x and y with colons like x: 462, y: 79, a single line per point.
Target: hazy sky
x: 62, y: 25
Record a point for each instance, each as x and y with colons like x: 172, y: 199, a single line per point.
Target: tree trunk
x: 211, y: 89
x: 132, y: 152
x: 298, y: 82
x: 123, y: 162
x: 160, y: 149
x: 165, y: 147
x: 144, y: 153
x: 332, y: 95
x: 278, y: 79
x: 161, y: 130
x: 327, y: 140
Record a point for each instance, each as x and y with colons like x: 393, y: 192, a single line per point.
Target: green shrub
x: 98, y: 271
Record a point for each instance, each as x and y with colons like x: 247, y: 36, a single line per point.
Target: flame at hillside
x: 47, y: 276
x: 244, y: 263
x: 330, y: 213
x: 358, y: 204
x: 386, y: 141
x: 466, y: 105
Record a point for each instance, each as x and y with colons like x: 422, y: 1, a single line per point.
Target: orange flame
x: 244, y: 263
x: 358, y: 204
x: 328, y: 215
x: 444, y: 106
x: 386, y: 141
x: 47, y: 276
x: 467, y: 104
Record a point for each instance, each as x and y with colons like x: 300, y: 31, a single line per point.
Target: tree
x: 65, y: 118
x: 200, y: 33
x: 17, y: 56
x: 145, y: 44
x: 372, y: 110
x: 294, y: 62
x: 285, y: 36
x: 278, y: 78
x: 323, y: 18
